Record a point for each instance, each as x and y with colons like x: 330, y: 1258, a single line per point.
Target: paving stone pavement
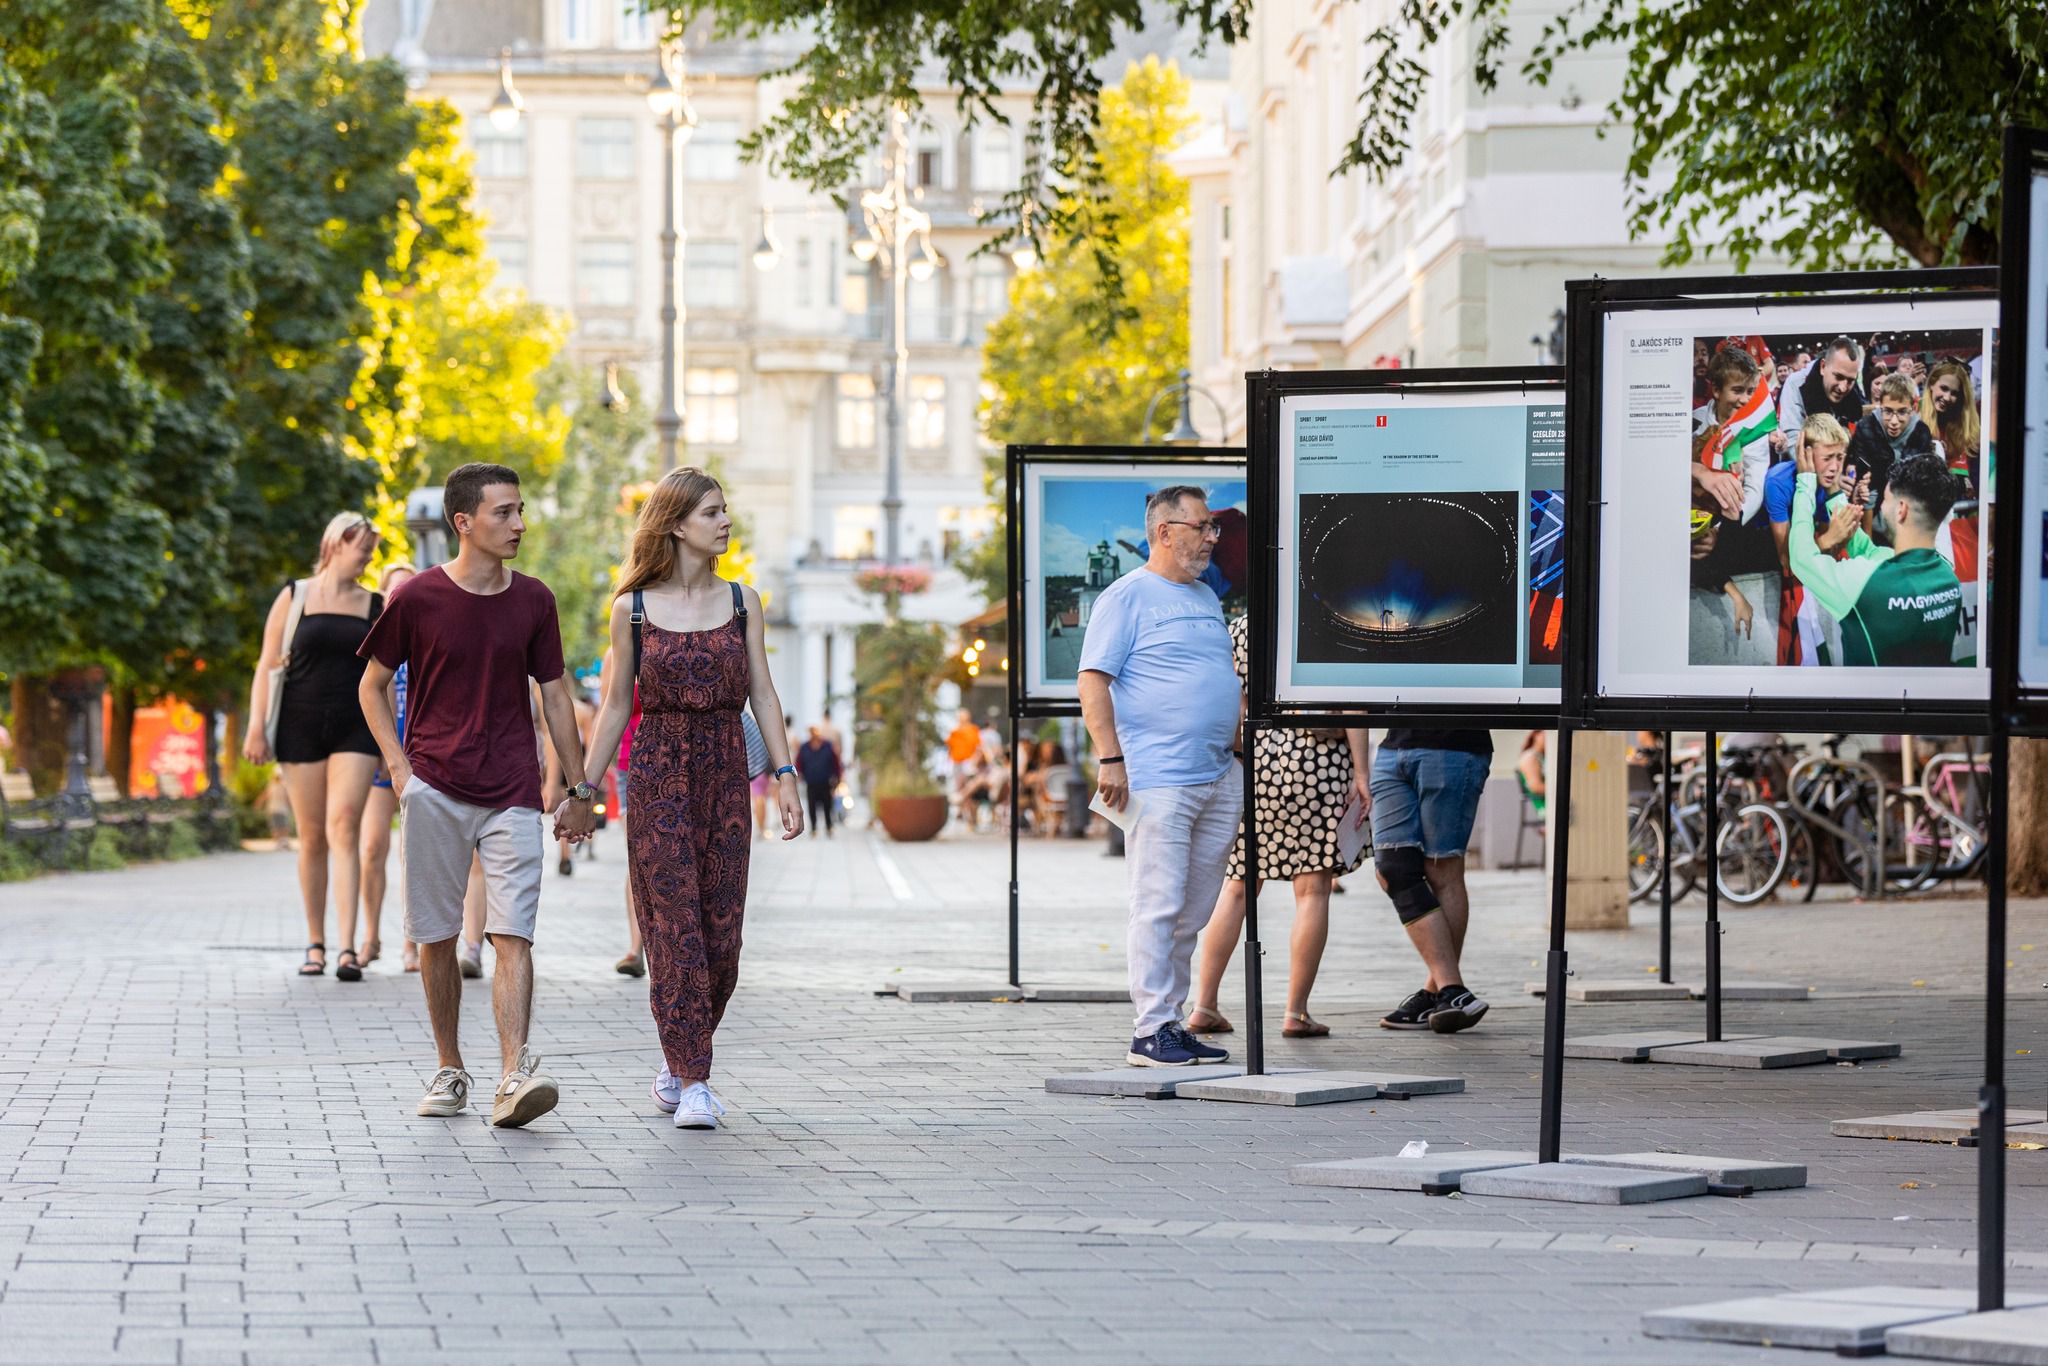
x: 205, y: 1159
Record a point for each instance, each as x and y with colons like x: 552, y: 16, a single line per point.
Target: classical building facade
x: 1460, y: 259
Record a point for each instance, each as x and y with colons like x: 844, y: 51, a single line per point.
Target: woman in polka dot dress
x: 1306, y: 780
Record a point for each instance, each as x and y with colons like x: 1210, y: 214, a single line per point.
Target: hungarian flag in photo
x: 1756, y: 418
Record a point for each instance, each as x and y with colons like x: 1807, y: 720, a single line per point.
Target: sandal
x: 632, y: 965
x: 372, y: 951
x: 309, y: 968
x: 1212, y: 1023
x: 346, y: 968
x: 1309, y: 1029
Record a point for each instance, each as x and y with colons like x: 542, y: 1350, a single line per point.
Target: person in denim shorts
x: 1425, y: 795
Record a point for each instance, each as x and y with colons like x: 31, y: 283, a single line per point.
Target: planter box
x: 911, y: 818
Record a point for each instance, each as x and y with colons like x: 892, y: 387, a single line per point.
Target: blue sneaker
x: 1168, y: 1047
x: 668, y: 1092
x: 1203, y: 1052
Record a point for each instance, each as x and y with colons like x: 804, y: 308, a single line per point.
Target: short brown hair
x: 1731, y: 362
x: 463, y: 491
x: 1896, y: 384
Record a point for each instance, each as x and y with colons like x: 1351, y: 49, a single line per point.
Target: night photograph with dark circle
x: 1409, y: 578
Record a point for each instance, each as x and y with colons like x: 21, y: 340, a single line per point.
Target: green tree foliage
x: 25, y: 132
x: 1050, y: 377
x: 580, y: 526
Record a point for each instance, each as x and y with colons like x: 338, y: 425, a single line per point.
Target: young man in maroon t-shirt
x: 468, y: 778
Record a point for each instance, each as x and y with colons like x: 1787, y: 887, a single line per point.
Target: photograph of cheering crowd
x: 1834, y: 517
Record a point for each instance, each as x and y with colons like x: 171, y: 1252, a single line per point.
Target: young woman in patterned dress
x: 701, y: 658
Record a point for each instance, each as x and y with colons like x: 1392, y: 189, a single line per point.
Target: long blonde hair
x: 652, y: 556
x: 342, y: 528
x: 1962, y: 428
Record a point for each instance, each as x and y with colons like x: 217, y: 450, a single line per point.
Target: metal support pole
x: 1254, y: 1004
x: 899, y: 338
x: 1015, y: 979
x: 668, y: 423
x: 1664, y: 876
x: 1551, y: 1124
x: 1991, y: 1098
x: 1713, y: 859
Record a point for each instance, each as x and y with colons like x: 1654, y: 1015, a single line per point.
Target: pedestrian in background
x: 1308, y: 780
x: 1425, y: 795
x: 818, y: 764
x: 1161, y: 701
x: 315, y: 729
x: 381, y: 808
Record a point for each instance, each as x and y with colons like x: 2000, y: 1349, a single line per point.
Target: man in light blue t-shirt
x: 1161, y: 700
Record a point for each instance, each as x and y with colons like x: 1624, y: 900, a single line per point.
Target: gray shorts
x: 437, y: 836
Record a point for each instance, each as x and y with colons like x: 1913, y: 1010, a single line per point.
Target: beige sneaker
x: 526, y: 1093
x: 447, y: 1094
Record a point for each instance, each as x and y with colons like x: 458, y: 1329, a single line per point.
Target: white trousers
x: 1175, y: 858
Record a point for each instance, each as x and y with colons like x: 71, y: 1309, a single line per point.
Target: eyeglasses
x: 1211, y: 530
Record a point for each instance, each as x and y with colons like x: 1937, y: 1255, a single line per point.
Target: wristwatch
x: 786, y: 768
x: 582, y: 792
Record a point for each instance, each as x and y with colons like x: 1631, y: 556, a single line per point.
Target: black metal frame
x: 1587, y: 304
x: 1023, y: 707
x: 1263, y: 392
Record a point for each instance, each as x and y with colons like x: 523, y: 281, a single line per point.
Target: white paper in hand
x: 1124, y: 819
x: 1352, y: 833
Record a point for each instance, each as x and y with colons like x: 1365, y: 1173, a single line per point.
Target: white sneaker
x: 698, y: 1108
x: 447, y: 1094
x: 668, y: 1092
x: 525, y: 1094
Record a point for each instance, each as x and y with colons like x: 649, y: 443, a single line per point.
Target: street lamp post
x: 677, y: 121
x: 1184, y: 430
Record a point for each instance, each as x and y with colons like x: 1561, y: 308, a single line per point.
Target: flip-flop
x: 348, y: 967
x: 1218, y: 1024
x: 1315, y: 1029
x: 309, y: 968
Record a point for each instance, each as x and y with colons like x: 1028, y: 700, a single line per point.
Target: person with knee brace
x: 1425, y: 796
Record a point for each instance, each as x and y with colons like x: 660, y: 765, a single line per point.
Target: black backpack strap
x: 639, y: 616
x: 739, y: 602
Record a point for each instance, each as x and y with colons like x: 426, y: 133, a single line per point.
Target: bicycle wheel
x: 1802, y: 860
x: 1856, y: 816
x: 1753, y: 849
x: 1645, y: 851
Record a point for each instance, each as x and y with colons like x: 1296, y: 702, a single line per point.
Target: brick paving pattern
x: 205, y: 1159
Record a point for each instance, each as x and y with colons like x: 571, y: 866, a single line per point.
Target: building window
x: 989, y: 289
x: 604, y: 274
x: 928, y: 167
x: 803, y: 272
x: 579, y: 22
x: 931, y: 313
x: 711, y: 408
x: 713, y: 151
x: 856, y: 415
x: 927, y: 416
x: 853, y: 532
x: 995, y: 158
x: 636, y: 26
x: 711, y: 275
x: 865, y: 300
x: 604, y: 149
x: 510, y: 255
x: 499, y: 155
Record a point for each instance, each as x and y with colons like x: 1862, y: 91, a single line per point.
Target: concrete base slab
x: 1739, y: 1053
x: 1144, y: 1083
x: 1632, y: 1047
x: 1584, y: 1185
x: 1433, y: 1173
x: 1078, y: 995
x: 1283, y: 1088
x: 1839, y: 1050
x: 1594, y: 991
x: 1929, y: 1126
x: 1719, y: 1171
x: 918, y: 993
x: 2010, y: 1336
x: 1399, y: 1086
x: 1852, y: 1322
x: 1752, y: 991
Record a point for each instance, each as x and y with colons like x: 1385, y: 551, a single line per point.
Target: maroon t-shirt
x: 468, y: 718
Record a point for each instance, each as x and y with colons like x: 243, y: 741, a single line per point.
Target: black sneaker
x: 1456, y: 1008
x: 1203, y: 1052
x: 1168, y: 1047
x: 1412, y: 1013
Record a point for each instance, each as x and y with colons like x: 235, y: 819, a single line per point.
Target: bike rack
x: 1874, y: 882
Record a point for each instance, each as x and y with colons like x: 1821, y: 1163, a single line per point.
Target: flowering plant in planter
x: 897, y: 670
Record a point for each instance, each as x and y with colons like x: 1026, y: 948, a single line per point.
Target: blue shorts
x: 1426, y: 799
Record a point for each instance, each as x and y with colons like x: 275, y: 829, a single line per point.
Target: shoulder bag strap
x: 301, y: 589
x: 638, y: 617
x: 739, y: 602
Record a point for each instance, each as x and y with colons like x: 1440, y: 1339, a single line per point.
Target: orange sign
x: 167, y: 751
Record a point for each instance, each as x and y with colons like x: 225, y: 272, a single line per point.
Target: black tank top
x: 325, y: 670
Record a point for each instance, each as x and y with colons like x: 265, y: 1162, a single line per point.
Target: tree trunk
x: 2027, y: 826
x: 120, y: 740
x: 41, y: 733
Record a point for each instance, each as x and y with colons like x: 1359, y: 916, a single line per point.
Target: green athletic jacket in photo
x: 1902, y: 609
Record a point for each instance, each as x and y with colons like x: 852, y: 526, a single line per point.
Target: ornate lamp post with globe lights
x: 677, y: 121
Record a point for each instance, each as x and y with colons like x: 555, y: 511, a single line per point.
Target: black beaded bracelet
x: 1110, y: 759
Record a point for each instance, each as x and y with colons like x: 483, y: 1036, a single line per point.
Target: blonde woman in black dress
x: 1306, y: 780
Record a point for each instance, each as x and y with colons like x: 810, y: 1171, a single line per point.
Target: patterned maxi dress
x: 690, y: 832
